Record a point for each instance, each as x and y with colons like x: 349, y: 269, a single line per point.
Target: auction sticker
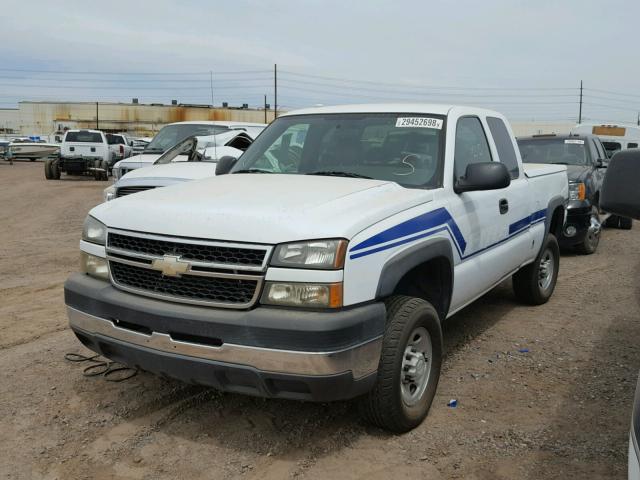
x: 574, y: 141
x: 419, y: 122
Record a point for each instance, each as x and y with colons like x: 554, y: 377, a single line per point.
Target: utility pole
x: 211, y: 83
x: 265, y: 109
x: 275, y: 91
x: 638, y: 121
x: 580, y: 111
x: 97, y: 121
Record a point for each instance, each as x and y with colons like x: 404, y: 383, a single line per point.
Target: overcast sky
x: 523, y: 58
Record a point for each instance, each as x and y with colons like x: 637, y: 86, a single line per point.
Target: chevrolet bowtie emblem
x: 171, y: 266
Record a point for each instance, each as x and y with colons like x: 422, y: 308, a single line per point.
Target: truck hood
x: 167, y: 174
x: 261, y: 208
x: 138, y: 161
x: 577, y: 173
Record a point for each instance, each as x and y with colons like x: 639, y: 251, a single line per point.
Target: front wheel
x: 409, y: 366
x: 590, y: 243
x: 534, y: 283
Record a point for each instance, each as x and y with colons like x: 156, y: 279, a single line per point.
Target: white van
x: 613, y: 137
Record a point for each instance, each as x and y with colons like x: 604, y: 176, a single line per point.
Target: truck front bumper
x: 577, y: 224
x: 270, y: 352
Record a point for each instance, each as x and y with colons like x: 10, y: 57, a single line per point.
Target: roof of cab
x: 432, y: 108
x: 219, y: 122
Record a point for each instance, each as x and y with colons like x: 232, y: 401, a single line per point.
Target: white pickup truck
x: 322, y: 264
x: 170, y: 135
x: 192, y: 159
x: 82, y: 152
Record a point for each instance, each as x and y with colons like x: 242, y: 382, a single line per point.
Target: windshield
x: 89, y: 137
x: 170, y: 135
x: 403, y: 148
x: 565, y: 151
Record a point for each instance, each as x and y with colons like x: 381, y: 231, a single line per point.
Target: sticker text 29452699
x: 419, y: 122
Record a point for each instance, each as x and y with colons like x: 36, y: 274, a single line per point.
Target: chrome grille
x: 221, y: 274
x: 122, y: 191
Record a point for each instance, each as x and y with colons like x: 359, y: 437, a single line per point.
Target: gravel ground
x: 542, y: 392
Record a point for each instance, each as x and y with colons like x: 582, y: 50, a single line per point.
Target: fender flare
x: 406, y: 260
x: 555, y: 202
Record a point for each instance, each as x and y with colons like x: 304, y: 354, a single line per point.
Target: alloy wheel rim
x: 416, y: 366
x: 545, y: 270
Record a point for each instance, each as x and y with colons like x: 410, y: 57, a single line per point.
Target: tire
x: 590, y: 243
x: 55, y: 169
x: 612, y: 221
x: 625, y: 223
x: 97, y: 174
x: 105, y: 166
x: 47, y: 169
x: 391, y: 404
x: 528, y: 285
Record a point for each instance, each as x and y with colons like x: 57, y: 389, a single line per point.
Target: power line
x: 424, y: 86
x: 60, y: 72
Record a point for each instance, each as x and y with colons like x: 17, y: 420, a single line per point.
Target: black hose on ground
x: 110, y: 371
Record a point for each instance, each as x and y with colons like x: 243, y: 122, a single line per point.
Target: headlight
x: 94, y: 266
x: 577, y: 191
x: 319, y: 295
x: 321, y: 254
x: 116, y: 173
x: 93, y: 231
x: 109, y: 193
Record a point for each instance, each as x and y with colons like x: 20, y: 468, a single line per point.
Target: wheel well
x: 557, y: 220
x: 431, y: 281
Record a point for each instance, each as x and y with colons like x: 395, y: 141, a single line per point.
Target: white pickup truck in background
x: 322, y: 264
x: 172, y: 134
x: 120, y: 145
x: 191, y: 159
x: 82, y: 152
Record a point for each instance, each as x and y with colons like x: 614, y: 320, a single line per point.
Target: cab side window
x: 471, y: 145
x: 504, y: 145
x: 602, y: 154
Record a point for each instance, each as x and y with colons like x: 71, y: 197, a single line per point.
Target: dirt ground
x: 559, y: 410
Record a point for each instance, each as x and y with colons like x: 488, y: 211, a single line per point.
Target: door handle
x: 503, y: 205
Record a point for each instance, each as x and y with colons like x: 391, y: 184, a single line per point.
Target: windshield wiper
x: 252, y: 170
x: 336, y: 173
x: 559, y: 163
x: 153, y: 150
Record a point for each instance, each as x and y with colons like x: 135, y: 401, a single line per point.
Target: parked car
x: 139, y: 144
x: 82, y: 152
x: 192, y: 159
x: 614, y: 137
x: 586, y: 163
x: 322, y: 272
x: 170, y: 135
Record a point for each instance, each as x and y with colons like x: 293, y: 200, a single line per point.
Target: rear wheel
x: 55, y: 169
x: 626, y: 223
x: 47, y: 169
x: 534, y: 283
x: 104, y: 165
x: 97, y: 174
x: 409, y: 367
x: 590, y: 243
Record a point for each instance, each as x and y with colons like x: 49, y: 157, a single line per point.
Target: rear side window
x: 471, y: 145
x: 632, y: 145
x: 115, y: 140
x: 88, y: 137
x: 504, y: 145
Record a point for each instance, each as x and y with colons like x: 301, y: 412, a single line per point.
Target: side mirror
x: 601, y: 163
x: 483, y: 176
x: 225, y: 164
x: 620, y: 193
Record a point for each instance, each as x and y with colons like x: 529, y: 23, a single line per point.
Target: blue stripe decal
x: 429, y: 224
x: 415, y: 225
